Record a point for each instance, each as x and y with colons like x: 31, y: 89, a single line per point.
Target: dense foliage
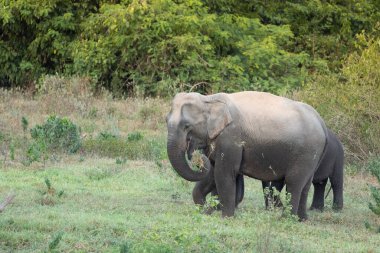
x: 158, y: 47
x: 349, y: 101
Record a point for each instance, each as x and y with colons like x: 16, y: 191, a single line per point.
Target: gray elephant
x: 331, y: 167
x: 256, y: 134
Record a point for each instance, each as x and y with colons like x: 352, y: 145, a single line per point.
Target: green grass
x: 139, y: 207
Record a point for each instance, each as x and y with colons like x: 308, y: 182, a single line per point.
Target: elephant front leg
x: 226, y: 170
x: 204, y: 187
x: 319, y: 195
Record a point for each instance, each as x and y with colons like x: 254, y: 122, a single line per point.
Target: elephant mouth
x: 191, y: 148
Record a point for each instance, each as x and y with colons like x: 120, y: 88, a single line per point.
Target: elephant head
x: 193, y: 122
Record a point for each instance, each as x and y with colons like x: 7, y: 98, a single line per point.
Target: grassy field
x: 119, y: 194
x: 140, y: 207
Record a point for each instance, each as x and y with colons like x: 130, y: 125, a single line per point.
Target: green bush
x: 374, y: 168
x: 349, y: 102
x: 57, y: 134
x: 163, y: 46
x: 159, y: 47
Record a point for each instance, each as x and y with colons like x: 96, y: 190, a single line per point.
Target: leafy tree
x: 35, y: 35
x: 162, y: 46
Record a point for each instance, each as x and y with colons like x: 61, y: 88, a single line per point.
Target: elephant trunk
x: 177, y: 155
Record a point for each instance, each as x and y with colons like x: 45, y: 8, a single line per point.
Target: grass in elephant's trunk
x: 197, y: 163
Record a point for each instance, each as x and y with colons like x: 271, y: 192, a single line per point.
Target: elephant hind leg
x: 337, y: 187
x: 303, y: 201
x: 319, y: 195
x: 299, y: 187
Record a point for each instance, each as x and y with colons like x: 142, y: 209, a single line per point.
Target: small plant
x: 57, y: 134
x: 24, y: 123
x: 374, y: 168
x: 107, y: 136
x: 49, y: 195
x: 135, y: 136
x: 93, y: 113
x: 273, y: 198
x: 125, y: 247
x: 37, y: 151
x: 212, y: 203
x: 53, y: 244
x: 12, y: 151
x: 120, y: 160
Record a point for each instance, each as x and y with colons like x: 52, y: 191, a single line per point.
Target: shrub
x: 349, y: 102
x: 161, y: 47
x: 57, y: 134
x: 374, y: 168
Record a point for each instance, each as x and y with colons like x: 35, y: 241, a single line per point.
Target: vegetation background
x: 85, y: 86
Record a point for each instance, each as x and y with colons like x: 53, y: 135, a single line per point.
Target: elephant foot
x: 337, y: 207
x: 303, y: 218
x: 317, y: 208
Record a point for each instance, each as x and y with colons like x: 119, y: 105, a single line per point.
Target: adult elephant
x: 252, y: 133
x: 331, y: 167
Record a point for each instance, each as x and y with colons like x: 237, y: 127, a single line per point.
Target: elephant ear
x: 219, y: 118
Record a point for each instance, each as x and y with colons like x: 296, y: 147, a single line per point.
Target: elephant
x: 331, y: 167
x: 251, y: 133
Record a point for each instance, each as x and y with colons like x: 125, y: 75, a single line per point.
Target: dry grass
x: 93, y: 114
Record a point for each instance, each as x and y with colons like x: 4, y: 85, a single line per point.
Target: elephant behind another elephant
x: 331, y: 168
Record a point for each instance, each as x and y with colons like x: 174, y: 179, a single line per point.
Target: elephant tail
x: 328, y: 192
x: 326, y: 131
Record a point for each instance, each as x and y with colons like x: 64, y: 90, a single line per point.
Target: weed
x: 25, y: 124
x: 135, y: 136
x: 125, y: 247
x: 93, y: 113
x: 121, y: 160
x: 12, y: 151
x: 107, y: 136
x: 49, y: 195
x: 212, y: 203
x: 374, y: 168
x: 53, y: 244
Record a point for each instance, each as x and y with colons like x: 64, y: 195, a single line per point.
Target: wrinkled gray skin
x: 331, y: 167
x: 256, y: 134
